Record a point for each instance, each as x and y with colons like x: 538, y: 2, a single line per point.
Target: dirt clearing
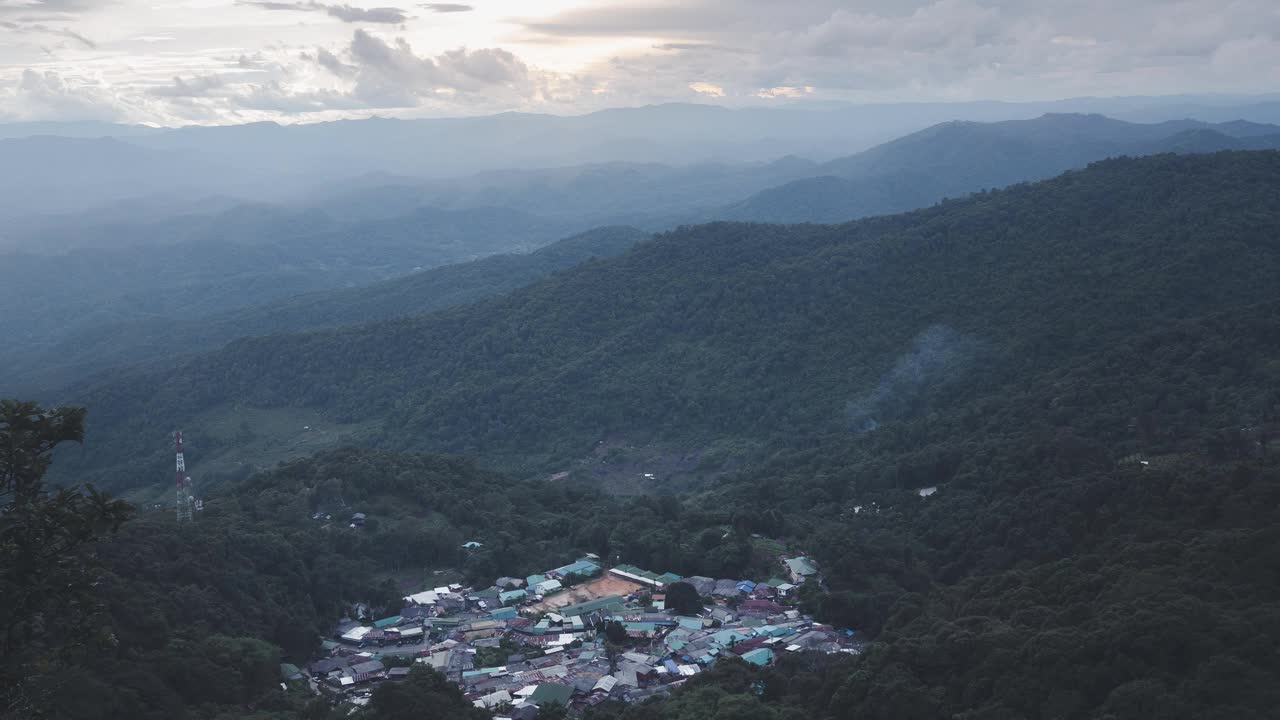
x: 602, y: 586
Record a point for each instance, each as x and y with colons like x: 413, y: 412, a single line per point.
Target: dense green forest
x: 116, y: 343
x: 1085, y: 369
x: 757, y: 332
x: 193, y: 621
x: 130, y: 289
x: 194, y: 266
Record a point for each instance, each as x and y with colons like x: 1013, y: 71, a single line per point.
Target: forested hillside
x: 128, y: 284
x: 756, y: 332
x: 1083, y: 369
x: 195, y: 266
x: 957, y: 158
x: 108, y: 344
x: 199, y: 616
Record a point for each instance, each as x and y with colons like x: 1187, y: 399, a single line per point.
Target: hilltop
x: 956, y: 158
x: 1029, y: 439
x: 749, y: 333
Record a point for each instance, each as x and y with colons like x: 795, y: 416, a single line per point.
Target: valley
x: 988, y: 430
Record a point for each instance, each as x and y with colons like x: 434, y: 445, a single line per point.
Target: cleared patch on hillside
x: 252, y: 439
x: 602, y: 586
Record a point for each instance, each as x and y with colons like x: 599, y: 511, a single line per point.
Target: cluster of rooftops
x: 526, y: 642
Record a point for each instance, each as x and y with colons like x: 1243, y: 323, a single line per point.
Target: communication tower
x: 185, y: 502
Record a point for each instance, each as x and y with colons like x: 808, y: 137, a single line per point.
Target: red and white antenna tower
x: 185, y: 500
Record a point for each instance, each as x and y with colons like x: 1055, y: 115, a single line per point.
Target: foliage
x: 683, y: 598
x: 1084, y: 370
x: 424, y: 695
x: 49, y: 610
x: 113, y: 343
x: 759, y: 332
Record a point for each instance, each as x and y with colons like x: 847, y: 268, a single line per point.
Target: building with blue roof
x: 759, y: 656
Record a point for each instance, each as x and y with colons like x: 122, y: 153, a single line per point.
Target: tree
x: 46, y: 578
x: 683, y: 598
x: 615, y: 633
x: 424, y: 695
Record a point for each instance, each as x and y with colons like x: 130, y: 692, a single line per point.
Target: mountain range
x: 1028, y: 435
x: 957, y: 158
x: 55, y: 167
x: 86, y: 349
x: 750, y: 333
x: 96, y: 291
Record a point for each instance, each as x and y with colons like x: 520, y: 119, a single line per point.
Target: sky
x: 172, y: 62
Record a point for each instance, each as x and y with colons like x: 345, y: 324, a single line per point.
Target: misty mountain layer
x: 751, y: 331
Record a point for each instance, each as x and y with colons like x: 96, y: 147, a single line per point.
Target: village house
x: 553, y: 655
x: 800, y: 569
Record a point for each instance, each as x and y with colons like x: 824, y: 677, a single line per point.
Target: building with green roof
x: 801, y: 568
x: 581, y: 567
x: 609, y: 602
x: 551, y: 693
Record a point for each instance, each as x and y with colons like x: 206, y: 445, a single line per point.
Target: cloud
x: 275, y: 97
x: 697, y: 47
x: 345, y: 13
x: 53, y: 7
x: 706, y: 88
x: 391, y: 74
x: 607, y: 21
x: 39, y: 28
x: 199, y: 86
x: 936, y: 49
x: 333, y: 64
x: 615, y: 52
x: 446, y: 7
x: 47, y: 96
x: 784, y: 91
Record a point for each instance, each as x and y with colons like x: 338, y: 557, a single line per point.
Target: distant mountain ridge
x: 126, y: 271
x: 957, y: 158
x: 182, y: 270
x: 269, y: 162
x: 731, y: 331
x: 93, y: 349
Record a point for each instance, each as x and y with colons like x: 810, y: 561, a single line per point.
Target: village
x: 574, y: 636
